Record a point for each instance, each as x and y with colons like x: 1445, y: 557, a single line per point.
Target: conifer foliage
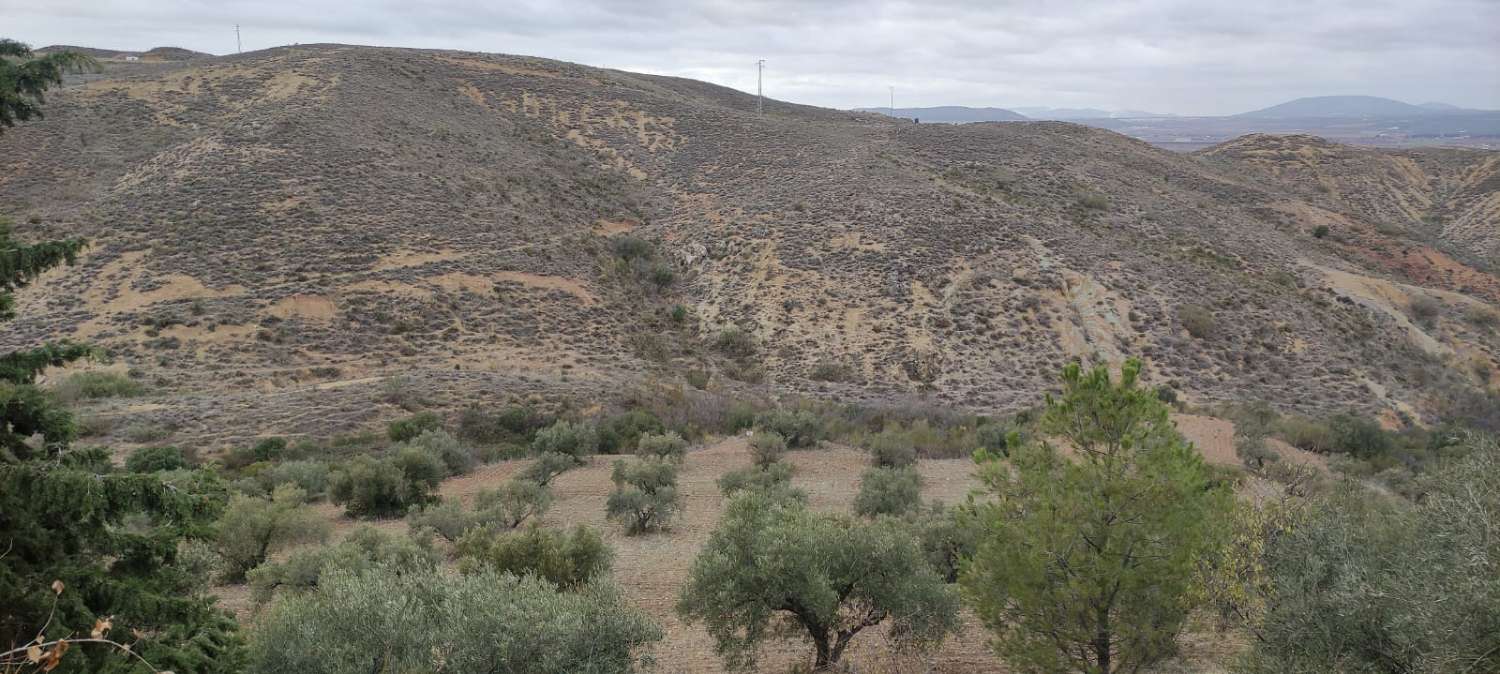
x: 84, y: 547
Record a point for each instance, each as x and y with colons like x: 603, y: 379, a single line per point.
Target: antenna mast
x: 760, y: 96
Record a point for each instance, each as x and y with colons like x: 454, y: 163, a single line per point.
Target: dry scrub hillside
x: 275, y: 233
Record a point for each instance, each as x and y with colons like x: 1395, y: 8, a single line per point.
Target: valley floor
x: 652, y: 568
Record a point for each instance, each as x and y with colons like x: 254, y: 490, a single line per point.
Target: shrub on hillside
x: 264, y: 450
x: 774, y: 477
x: 403, y: 430
x: 1425, y: 308
x: 365, y: 547
x: 252, y: 528
x: 1197, y: 320
x: 576, y: 439
x: 888, y: 491
x: 514, y: 424
x: 735, y: 343
x: 1365, y: 583
x: 766, y: 448
x: 457, y: 457
x: 95, y: 385
x: 667, y: 446
x: 546, y: 467
x: 156, y: 459
x: 371, y: 487
x: 312, y: 477
x: 620, y: 433
x: 800, y: 428
x: 513, y: 503
x: 892, y: 450
x: 567, y: 560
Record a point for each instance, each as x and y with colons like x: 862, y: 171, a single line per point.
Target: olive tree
x: 381, y: 619
x: 774, y: 566
x: 645, y: 495
x: 253, y: 527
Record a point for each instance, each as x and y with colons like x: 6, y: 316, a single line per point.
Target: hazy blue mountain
x: 952, y: 114
x: 1339, y: 106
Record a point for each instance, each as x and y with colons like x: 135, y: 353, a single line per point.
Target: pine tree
x: 1085, y: 562
x: 87, y: 548
x: 25, y: 78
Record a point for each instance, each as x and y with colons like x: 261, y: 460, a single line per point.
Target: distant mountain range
x: 1351, y: 106
x: 1334, y: 107
x: 958, y: 114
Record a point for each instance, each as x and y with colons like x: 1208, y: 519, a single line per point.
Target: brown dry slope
x: 275, y: 232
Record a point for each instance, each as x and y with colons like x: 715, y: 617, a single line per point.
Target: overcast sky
x: 1180, y: 56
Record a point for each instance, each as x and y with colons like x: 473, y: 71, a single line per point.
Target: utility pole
x: 238, y: 48
x: 760, y: 96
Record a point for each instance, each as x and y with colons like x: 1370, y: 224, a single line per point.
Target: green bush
x: 578, y: 440
x: 645, y: 496
x: 1320, y: 231
x: 96, y: 385
x: 1425, y: 308
x: 364, y: 548
x: 567, y: 560
x: 514, y: 424
x: 266, y: 450
x: 457, y: 457
x: 548, y: 466
x: 253, y: 528
x: 735, y: 343
x: 404, y: 430
x: 621, y: 433
x: 155, y: 459
x: 632, y: 248
x: 667, y: 446
x: 1482, y: 317
x: 146, y: 430
x: 382, y: 620
x: 995, y: 437
x: 1365, y: 583
x: 776, y: 476
x: 447, y: 518
x: 1197, y: 320
x: 800, y: 428
x: 766, y: 448
x: 888, y: 491
x: 947, y: 536
x: 1360, y: 437
x: 892, y: 450
x: 312, y: 477
x: 371, y: 487
x: 514, y: 502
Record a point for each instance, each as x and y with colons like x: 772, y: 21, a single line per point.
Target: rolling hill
x: 276, y: 235
x: 955, y: 114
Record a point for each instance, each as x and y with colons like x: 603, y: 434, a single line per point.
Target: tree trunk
x: 1102, y: 641
x: 825, y: 657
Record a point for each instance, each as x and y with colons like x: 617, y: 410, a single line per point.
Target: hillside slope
x: 277, y: 232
